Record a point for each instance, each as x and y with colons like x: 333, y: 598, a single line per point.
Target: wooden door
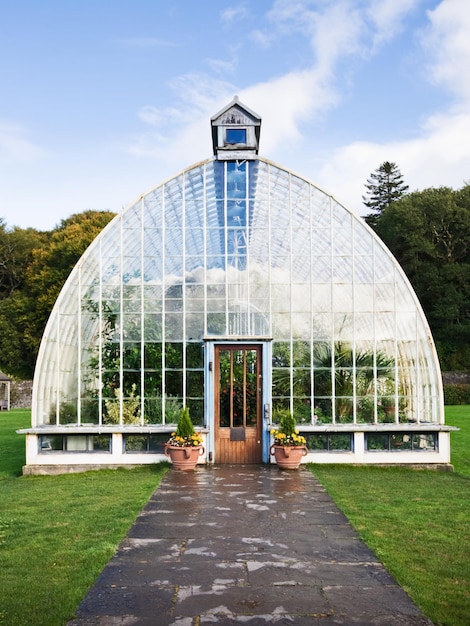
x: 238, y: 403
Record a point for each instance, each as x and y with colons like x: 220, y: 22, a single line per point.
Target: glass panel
x: 323, y: 384
x: 316, y: 442
x: 302, y: 381
x: 50, y: 443
x: 153, y: 356
x: 196, y: 410
x: 131, y: 356
x: 424, y: 442
x: 376, y: 442
x: 135, y: 443
x: 344, y: 410
x: 174, y: 355
x: 238, y: 385
x: 303, y: 410
x: 131, y: 382
x: 225, y: 402
x: 194, y: 326
x: 400, y: 441
x: 100, y: 443
x: 329, y: 442
x: 152, y: 383
x: 365, y: 410
x: 153, y: 410
x: 174, y: 326
x: 235, y: 135
x: 323, y: 410
x: 153, y: 327
x: 386, y: 409
x: 89, y: 411
x: 156, y: 443
x: 173, y: 406
x: 194, y: 355
x: 195, y: 384
x: 76, y: 443
x: 340, y: 442
x: 68, y: 413
x: 216, y: 324
x: 174, y: 383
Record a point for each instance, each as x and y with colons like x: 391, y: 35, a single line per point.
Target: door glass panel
x: 238, y: 384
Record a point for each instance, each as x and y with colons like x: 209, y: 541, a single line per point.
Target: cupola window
x: 235, y: 136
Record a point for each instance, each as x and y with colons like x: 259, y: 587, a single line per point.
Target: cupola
x: 235, y: 132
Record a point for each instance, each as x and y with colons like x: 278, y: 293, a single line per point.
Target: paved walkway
x: 244, y: 545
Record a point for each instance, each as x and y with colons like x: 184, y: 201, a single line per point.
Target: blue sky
x: 104, y: 99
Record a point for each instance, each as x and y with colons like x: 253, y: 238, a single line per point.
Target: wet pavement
x: 244, y: 545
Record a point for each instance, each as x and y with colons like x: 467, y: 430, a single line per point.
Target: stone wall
x: 21, y: 392
x: 456, y: 378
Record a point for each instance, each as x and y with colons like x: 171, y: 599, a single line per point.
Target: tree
x: 51, y: 264
x: 385, y: 185
x: 16, y: 249
x: 16, y: 252
x: 428, y: 232
x: 33, y: 267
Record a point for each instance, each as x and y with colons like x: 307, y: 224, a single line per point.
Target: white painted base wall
x: 62, y: 462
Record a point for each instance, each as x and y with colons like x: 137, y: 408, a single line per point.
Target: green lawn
x: 417, y: 523
x: 57, y: 532
x: 460, y: 442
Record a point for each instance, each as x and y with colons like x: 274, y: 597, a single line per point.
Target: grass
x: 460, y: 442
x: 417, y: 523
x: 58, y: 532
x: 12, y: 447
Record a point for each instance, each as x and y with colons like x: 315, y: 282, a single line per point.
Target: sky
x: 102, y: 100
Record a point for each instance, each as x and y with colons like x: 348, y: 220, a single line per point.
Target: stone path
x: 244, y: 545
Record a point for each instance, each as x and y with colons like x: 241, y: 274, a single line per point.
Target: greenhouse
x: 238, y: 289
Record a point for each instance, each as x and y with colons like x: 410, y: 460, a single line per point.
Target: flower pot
x: 184, y: 457
x: 288, y: 457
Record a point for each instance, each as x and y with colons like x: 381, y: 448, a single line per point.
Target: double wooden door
x: 238, y: 403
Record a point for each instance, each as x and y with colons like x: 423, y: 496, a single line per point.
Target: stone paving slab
x: 244, y: 545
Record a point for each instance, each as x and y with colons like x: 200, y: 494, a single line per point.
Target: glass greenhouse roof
x: 237, y: 250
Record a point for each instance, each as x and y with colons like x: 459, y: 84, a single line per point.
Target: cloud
x: 233, y: 14
x: 448, y: 44
x: 183, y: 130
x: 387, y: 17
x: 294, y: 97
x: 155, y: 116
x: 15, y: 146
x: 223, y: 67
x: 338, y: 29
x: 343, y: 18
x: 200, y: 91
x: 358, y: 29
x: 261, y: 38
x: 436, y: 157
x: 438, y: 154
x: 305, y: 94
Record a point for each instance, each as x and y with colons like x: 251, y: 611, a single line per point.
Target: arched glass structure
x: 237, y: 250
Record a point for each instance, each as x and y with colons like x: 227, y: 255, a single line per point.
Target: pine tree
x: 385, y: 185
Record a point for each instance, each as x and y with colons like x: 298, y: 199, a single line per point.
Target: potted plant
x: 185, y: 445
x: 288, y: 447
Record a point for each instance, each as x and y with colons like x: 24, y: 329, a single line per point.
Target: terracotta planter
x: 288, y: 457
x: 184, y: 457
